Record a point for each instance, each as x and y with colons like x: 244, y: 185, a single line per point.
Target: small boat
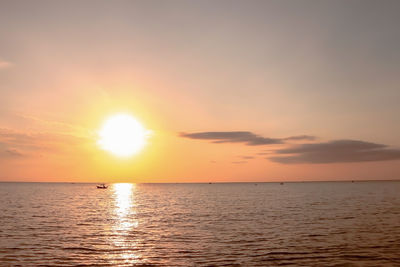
x: 102, y: 186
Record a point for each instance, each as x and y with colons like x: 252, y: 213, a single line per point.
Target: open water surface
x: 243, y: 224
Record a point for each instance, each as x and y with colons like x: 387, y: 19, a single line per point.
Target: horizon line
x: 249, y: 182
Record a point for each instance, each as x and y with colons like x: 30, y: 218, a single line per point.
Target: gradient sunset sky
x: 230, y: 90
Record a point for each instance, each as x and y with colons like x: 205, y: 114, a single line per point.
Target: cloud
x: 239, y: 162
x: 247, y: 157
x: 264, y: 153
x: 5, y: 64
x: 6, y: 152
x: 301, y: 137
x: 13, y: 152
x: 21, y: 144
x: 54, y: 125
x: 337, y: 151
x: 248, y: 138
x: 245, y: 137
x: 17, y: 137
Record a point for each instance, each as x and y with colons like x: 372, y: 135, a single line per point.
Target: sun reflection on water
x: 125, y: 221
x: 123, y: 196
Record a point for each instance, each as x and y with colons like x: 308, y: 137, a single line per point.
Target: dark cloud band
x: 338, y: 151
x: 245, y: 137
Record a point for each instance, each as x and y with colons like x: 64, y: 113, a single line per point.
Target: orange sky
x: 221, y: 85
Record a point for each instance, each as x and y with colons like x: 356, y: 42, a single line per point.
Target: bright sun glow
x: 122, y: 135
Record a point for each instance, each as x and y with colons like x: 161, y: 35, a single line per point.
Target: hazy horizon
x: 215, y: 182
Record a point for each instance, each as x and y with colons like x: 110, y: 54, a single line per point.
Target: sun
x: 122, y: 135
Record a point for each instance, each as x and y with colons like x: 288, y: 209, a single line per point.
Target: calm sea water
x: 264, y: 224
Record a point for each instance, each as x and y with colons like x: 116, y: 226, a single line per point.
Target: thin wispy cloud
x: 301, y: 138
x: 54, y: 125
x: 6, y: 152
x: 245, y: 137
x: 247, y: 157
x: 14, y: 152
x: 239, y: 162
x: 264, y: 153
x: 21, y: 143
x: 338, y: 151
x: 5, y: 64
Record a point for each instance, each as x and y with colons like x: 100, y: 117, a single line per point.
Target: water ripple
x: 298, y: 224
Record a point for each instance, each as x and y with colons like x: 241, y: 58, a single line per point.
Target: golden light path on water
x: 126, y: 221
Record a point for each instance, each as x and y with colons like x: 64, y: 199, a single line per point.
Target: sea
x: 218, y: 224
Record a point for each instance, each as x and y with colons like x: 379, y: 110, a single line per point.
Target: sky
x: 231, y: 91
